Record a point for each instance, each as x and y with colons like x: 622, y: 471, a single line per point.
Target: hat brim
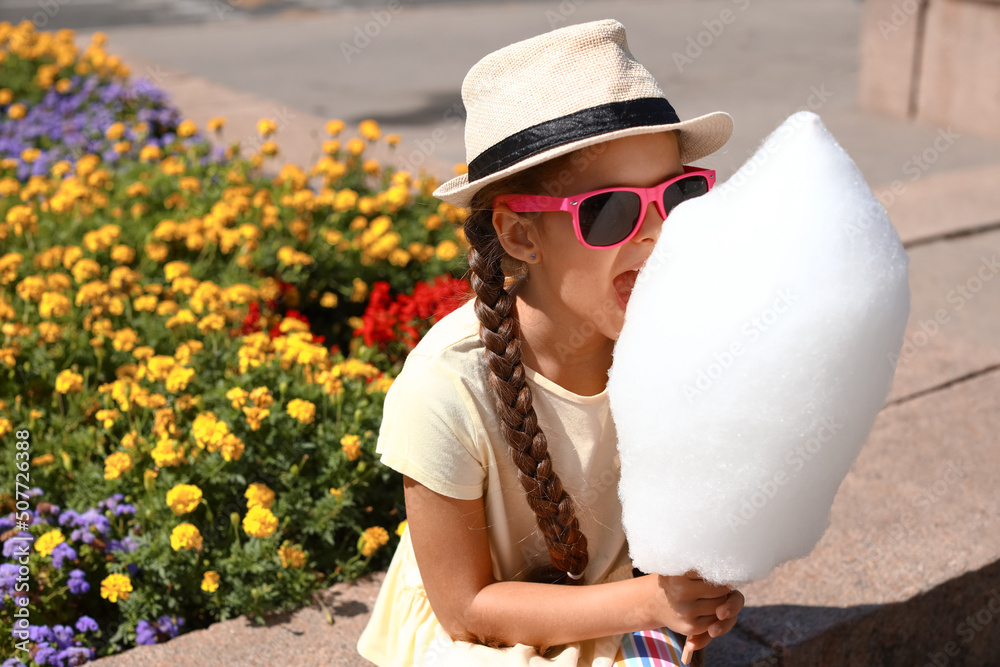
x: 697, y: 138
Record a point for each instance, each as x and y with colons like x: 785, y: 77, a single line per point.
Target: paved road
x: 96, y: 14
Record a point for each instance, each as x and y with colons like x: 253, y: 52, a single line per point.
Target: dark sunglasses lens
x: 682, y: 190
x: 608, y: 218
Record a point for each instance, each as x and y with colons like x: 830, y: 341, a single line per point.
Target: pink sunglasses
x: 609, y: 217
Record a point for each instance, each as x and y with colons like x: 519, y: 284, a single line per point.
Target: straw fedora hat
x: 559, y: 91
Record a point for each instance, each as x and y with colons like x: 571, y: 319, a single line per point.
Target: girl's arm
x: 453, y: 555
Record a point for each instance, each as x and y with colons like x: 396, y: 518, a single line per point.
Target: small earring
x: 532, y: 255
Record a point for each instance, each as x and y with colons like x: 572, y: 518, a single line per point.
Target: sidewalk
x: 913, y: 550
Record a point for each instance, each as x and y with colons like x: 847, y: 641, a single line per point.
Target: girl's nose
x: 650, y: 226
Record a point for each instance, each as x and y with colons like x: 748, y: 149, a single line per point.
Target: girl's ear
x: 518, y: 235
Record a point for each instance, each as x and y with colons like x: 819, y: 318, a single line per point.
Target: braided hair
x: 499, y: 331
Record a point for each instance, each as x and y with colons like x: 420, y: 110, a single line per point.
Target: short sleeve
x: 428, y: 432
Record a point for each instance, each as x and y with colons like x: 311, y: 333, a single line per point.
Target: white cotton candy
x: 759, y: 343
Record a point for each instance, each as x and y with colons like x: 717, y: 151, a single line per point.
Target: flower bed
x: 193, y: 357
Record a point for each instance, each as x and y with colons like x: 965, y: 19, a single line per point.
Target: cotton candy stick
x: 759, y: 343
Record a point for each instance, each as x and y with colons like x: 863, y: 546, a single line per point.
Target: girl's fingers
x: 732, y: 605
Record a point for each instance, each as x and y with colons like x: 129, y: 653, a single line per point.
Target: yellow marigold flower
x: 54, y: 305
x: 137, y: 190
x: 461, y: 168
x: 370, y: 130
x: 433, y: 221
x: 29, y: 155
x: 303, y: 411
x: 259, y: 495
x: 255, y: 417
x: 356, y: 146
x: 345, y: 200
x: 360, y: 292
x: 210, y: 582
x: 150, y: 152
x: 337, y: 493
x: 183, y: 498
x: 115, y: 131
x: 261, y: 397
x: 68, y: 381
x: 351, y: 444
x: 291, y: 556
x: 401, y: 527
x: 116, y: 465
x: 328, y: 300
x: 212, y: 322
x: 446, y: 250
x: 122, y: 254
x: 116, y: 586
x: 238, y: 397
x: 380, y: 385
x: 331, y: 146
x: 178, y: 379
x: 43, y: 460
x: 157, y: 251
x: 177, y: 269
x: 108, y: 417
x: 125, y: 340
x: 185, y: 536
x: 49, y: 541
x: 370, y: 166
x: 6, y: 96
x: 399, y: 257
x: 232, y: 447
x: 166, y: 453
x: 392, y: 139
x: 209, y: 431
x: 17, y: 111
x: 334, y: 127
x: 372, y: 539
x: 122, y: 146
x: 187, y: 129
x: 216, y: 123
x: 259, y: 522
x: 269, y: 148
x: 266, y: 127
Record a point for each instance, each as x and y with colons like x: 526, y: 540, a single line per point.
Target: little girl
x: 499, y: 420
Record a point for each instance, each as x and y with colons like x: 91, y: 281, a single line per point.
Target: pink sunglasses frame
x: 526, y: 203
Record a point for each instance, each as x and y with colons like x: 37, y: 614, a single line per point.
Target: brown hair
x: 500, y: 332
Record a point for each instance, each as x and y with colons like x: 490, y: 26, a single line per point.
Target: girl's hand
x: 689, y: 605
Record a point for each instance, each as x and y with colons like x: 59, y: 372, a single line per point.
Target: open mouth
x: 624, y: 282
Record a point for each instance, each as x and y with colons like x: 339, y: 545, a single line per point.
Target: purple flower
x: 64, y: 635
x: 13, y: 662
x: 127, y: 545
x: 8, y: 578
x: 86, y: 624
x: 125, y: 508
x: 163, y: 629
x: 145, y: 633
x: 12, y: 545
x: 47, y: 655
x: 40, y: 634
x: 76, y: 655
x: 61, y: 552
x: 77, y: 584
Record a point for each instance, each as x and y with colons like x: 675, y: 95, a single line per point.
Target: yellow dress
x: 440, y: 427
